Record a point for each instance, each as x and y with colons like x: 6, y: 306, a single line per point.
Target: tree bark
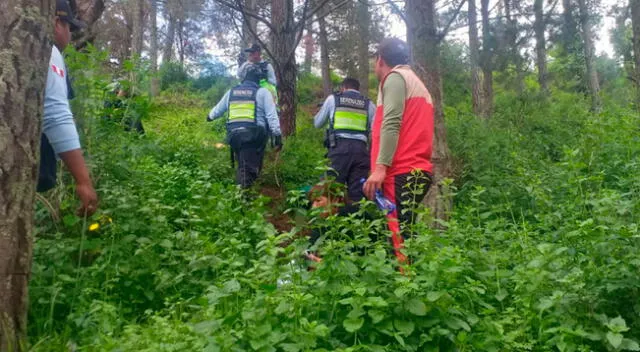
x: 423, y: 37
x: 24, y: 25
x: 153, y: 50
x: 167, y: 53
x: 137, y: 37
x: 309, y: 48
x: 620, y: 37
x: 283, y: 47
x: 252, y: 25
x: 363, y: 19
x: 635, y: 21
x: 569, y: 26
x: 180, y: 30
x: 324, y: 56
x: 474, y: 53
x: 88, y: 11
x: 541, y: 46
x: 589, y: 55
x: 487, y: 61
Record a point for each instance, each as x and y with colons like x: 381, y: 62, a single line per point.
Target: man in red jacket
x: 401, y: 138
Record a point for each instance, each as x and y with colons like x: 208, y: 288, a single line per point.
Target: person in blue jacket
x: 250, y: 111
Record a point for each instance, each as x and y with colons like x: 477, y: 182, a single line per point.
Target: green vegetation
x: 540, y: 252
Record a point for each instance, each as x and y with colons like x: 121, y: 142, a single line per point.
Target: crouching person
x: 251, y: 111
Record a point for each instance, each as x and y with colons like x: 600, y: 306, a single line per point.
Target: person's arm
x: 241, y: 69
x: 265, y: 100
x: 394, y: 96
x: 322, y: 116
x: 220, y: 108
x: 393, y: 99
x: 271, y: 75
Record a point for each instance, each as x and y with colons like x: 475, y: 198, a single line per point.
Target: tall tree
x: 589, y: 54
x: 153, y: 47
x: 363, y: 20
x: 90, y: 12
x: 324, y: 55
x: 474, y: 52
x: 167, y: 52
x: 486, y: 61
x: 249, y: 25
x: 24, y: 29
x: 635, y: 24
x: 286, y: 27
x: 137, y: 38
x: 309, y: 48
x: 622, y: 39
x: 541, y: 46
x: 425, y: 40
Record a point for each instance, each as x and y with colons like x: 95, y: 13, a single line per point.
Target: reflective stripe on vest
x: 351, y: 112
x: 242, y: 103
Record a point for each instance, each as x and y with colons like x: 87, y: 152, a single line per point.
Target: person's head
x: 253, y: 73
x: 65, y: 23
x: 391, y: 53
x: 254, y: 53
x: 350, y: 83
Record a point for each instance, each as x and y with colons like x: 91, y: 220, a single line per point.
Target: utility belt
x: 331, y: 139
x: 243, y: 136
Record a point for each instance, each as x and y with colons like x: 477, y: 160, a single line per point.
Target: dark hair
x: 351, y: 83
x: 254, y: 73
x: 393, y: 52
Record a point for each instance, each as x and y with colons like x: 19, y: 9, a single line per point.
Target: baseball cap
x: 253, y: 48
x: 63, y: 11
x: 393, y: 51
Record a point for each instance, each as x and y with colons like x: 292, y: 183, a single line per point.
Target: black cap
x: 253, y: 48
x: 393, y: 51
x: 63, y: 11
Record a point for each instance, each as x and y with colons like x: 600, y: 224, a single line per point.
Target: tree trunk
x: 309, y: 48
x: 153, y: 50
x: 569, y: 27
x: 137, y: 37
x: 541, y: 46
x: 249, y: 25
x: 474, y: 50
x: 487, y: 61
x: 88, y: 11
x: 324, y: 56
x: 589, y: 55
x: 620, y: 37
x: 180, y: 31
x: 635, y: 20
x: 283, y: 49
x: 167, y: 53
x: 363, y: 18
x: 424, y: 40
x: 24, y: 25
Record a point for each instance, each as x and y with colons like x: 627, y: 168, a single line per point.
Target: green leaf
x: 353, y: 325
x: 617, y: 324
x: 405, y: 327
x: 629, y: 345
x: 231, y: 286
x: 376, y: 315
x: 376, y: 302
x: 434, y: 296
x: 457, y: 323
x: 614, y: 339
x: 416, y: 307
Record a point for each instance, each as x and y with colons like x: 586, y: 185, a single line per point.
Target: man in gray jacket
x: 60, y: 136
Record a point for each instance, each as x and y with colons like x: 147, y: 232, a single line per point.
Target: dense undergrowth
x: 540, y: 252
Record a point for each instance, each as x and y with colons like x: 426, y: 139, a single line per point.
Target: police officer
x: 255, y: 58
x: 60, y: 136
x: 349, y: 115
x: 251, y: 111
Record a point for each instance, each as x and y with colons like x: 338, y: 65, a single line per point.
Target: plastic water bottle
x: 381, y: 201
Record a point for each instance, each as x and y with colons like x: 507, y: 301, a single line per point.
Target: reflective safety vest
x: 242, y: 104
x: 271, y: 88
x: 351, y: 113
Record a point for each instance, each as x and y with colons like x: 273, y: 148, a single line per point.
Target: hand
x: 209, y: 119
x: 89, y: 199
x: 374, y: 182
x: 277, y: 143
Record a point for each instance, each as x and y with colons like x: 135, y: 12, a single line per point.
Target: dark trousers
x: 249, y: 157
x: 406, y: 191
x: 350, y: 160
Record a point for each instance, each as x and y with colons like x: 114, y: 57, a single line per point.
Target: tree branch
x: 318, y: 16
x: 299, y: 28
x: 397, y: 10
x: 445, y: 30
x: 240, y: 7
